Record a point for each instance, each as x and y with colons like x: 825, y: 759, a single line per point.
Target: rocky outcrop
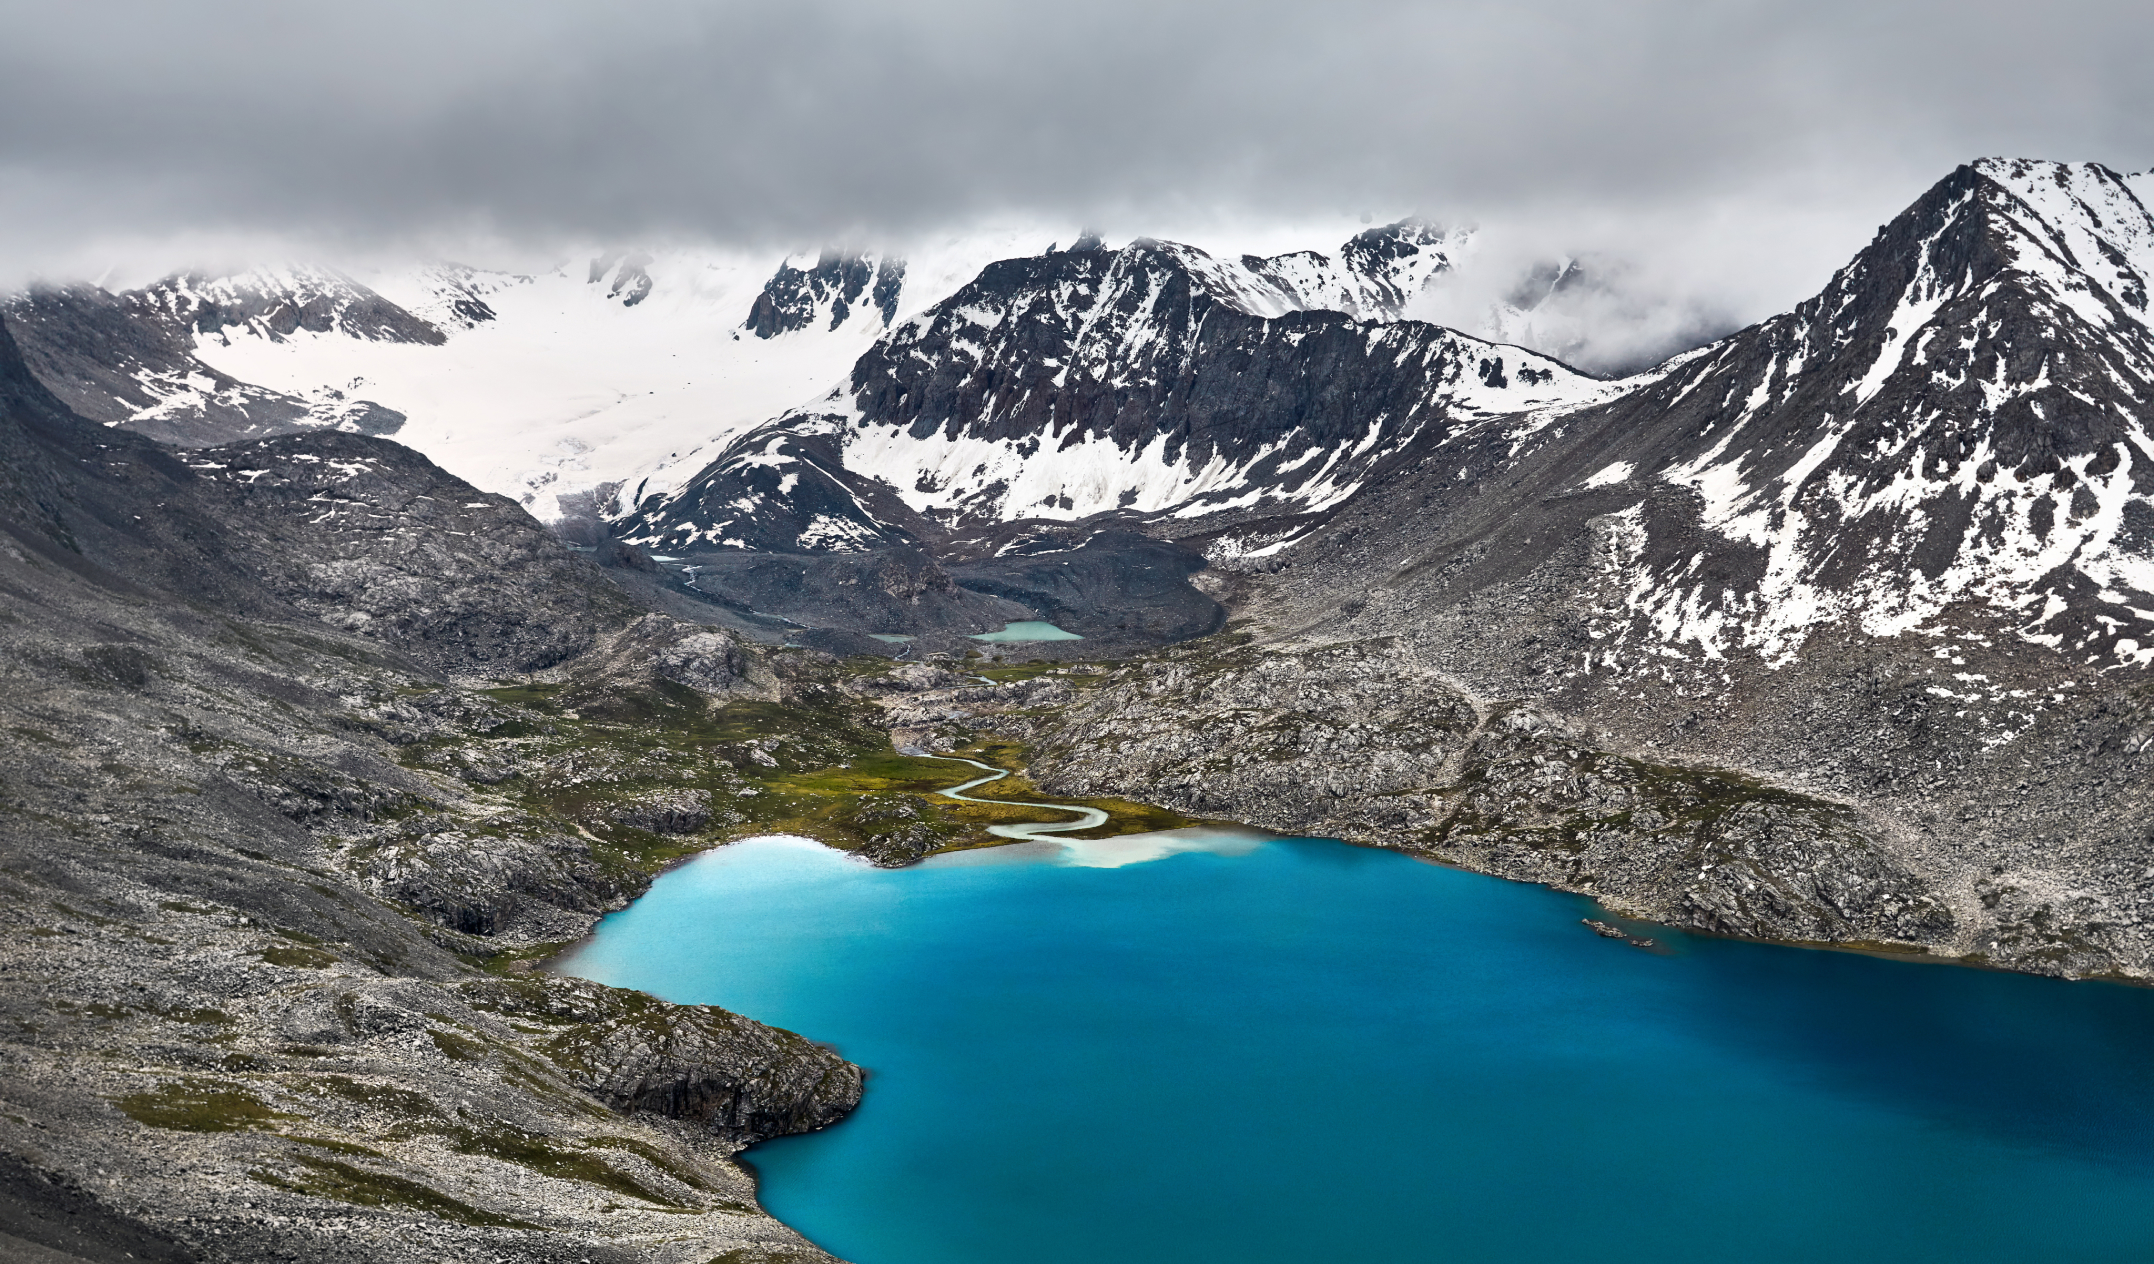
x: 827, y: 294
x: 894, y: 831
x: 737, y: 1078
x: 509, y: 887
x: 625, y: 274
x: 657, y: 651
x: 667, y: 812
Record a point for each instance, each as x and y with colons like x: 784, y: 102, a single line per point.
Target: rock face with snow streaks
x: 1961, y: 416
x: 827, y: 294
x: 1146, y: 381
x: 278, y: 302
x: 128, y: 360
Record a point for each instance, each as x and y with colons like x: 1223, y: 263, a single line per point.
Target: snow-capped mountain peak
x: 2083, y: 231
x: 1958, y: 421
x: 275, y: 303
x: 1153, y: 379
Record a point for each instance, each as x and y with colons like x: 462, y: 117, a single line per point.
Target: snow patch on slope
x: 2083, y: 245
x: 565, y: 387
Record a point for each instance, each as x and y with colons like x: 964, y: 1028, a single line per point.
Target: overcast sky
x: 1738, y: 149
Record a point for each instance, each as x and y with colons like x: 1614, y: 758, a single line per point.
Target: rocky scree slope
x: 1358, y: 740
x: 227, y: 1033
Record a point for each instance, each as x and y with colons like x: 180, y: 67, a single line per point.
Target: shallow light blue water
x: 1295, y: 1050
x: 1027, y: 630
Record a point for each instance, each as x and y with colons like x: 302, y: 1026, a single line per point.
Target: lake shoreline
x: 1234, y: 929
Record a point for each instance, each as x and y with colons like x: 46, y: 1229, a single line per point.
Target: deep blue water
x: 1296, y: 1050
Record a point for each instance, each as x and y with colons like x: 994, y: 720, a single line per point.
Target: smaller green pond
x: 1027, y: 630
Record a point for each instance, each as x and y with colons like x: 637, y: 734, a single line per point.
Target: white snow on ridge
x: 2088, y: 231
x: 571, y: 387
x: 2083, y: 245
x: 1307, y: 280
x: 568, y: 387
x: 1057, y: 477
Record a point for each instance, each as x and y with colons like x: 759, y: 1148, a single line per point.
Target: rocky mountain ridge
x: 128, y: 360
x: 1147, y: 381
x: 624, y: 365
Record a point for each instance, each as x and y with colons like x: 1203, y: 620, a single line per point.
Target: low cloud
x: 1604, y: 132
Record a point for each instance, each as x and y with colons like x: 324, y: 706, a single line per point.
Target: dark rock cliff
x: 1081, y: 383
x: 826, y: 294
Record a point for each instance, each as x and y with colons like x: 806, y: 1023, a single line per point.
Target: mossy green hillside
x: 816, y: 764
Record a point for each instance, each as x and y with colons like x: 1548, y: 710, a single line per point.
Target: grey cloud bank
x: 1728, y: 153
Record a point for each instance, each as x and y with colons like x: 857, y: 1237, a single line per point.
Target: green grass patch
x: 341, y: 1182
x: 298, y: 957
x: 414, y: 1110
x: 874, y: 772
x: 548, y: 1159
x: 458, y: 1047
x: 335, y: 1146
x: 200, y: 1106
x: 536, y: 695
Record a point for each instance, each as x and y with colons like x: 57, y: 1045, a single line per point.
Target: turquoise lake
x: 1185, y: 1049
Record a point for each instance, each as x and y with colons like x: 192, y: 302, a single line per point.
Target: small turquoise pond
x: 1027, y: 630
x: 1184, y: 1048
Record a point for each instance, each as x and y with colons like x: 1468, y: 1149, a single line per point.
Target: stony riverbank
x: 1362, y: 741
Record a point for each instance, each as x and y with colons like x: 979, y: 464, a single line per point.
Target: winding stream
x: 1087, y: 818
